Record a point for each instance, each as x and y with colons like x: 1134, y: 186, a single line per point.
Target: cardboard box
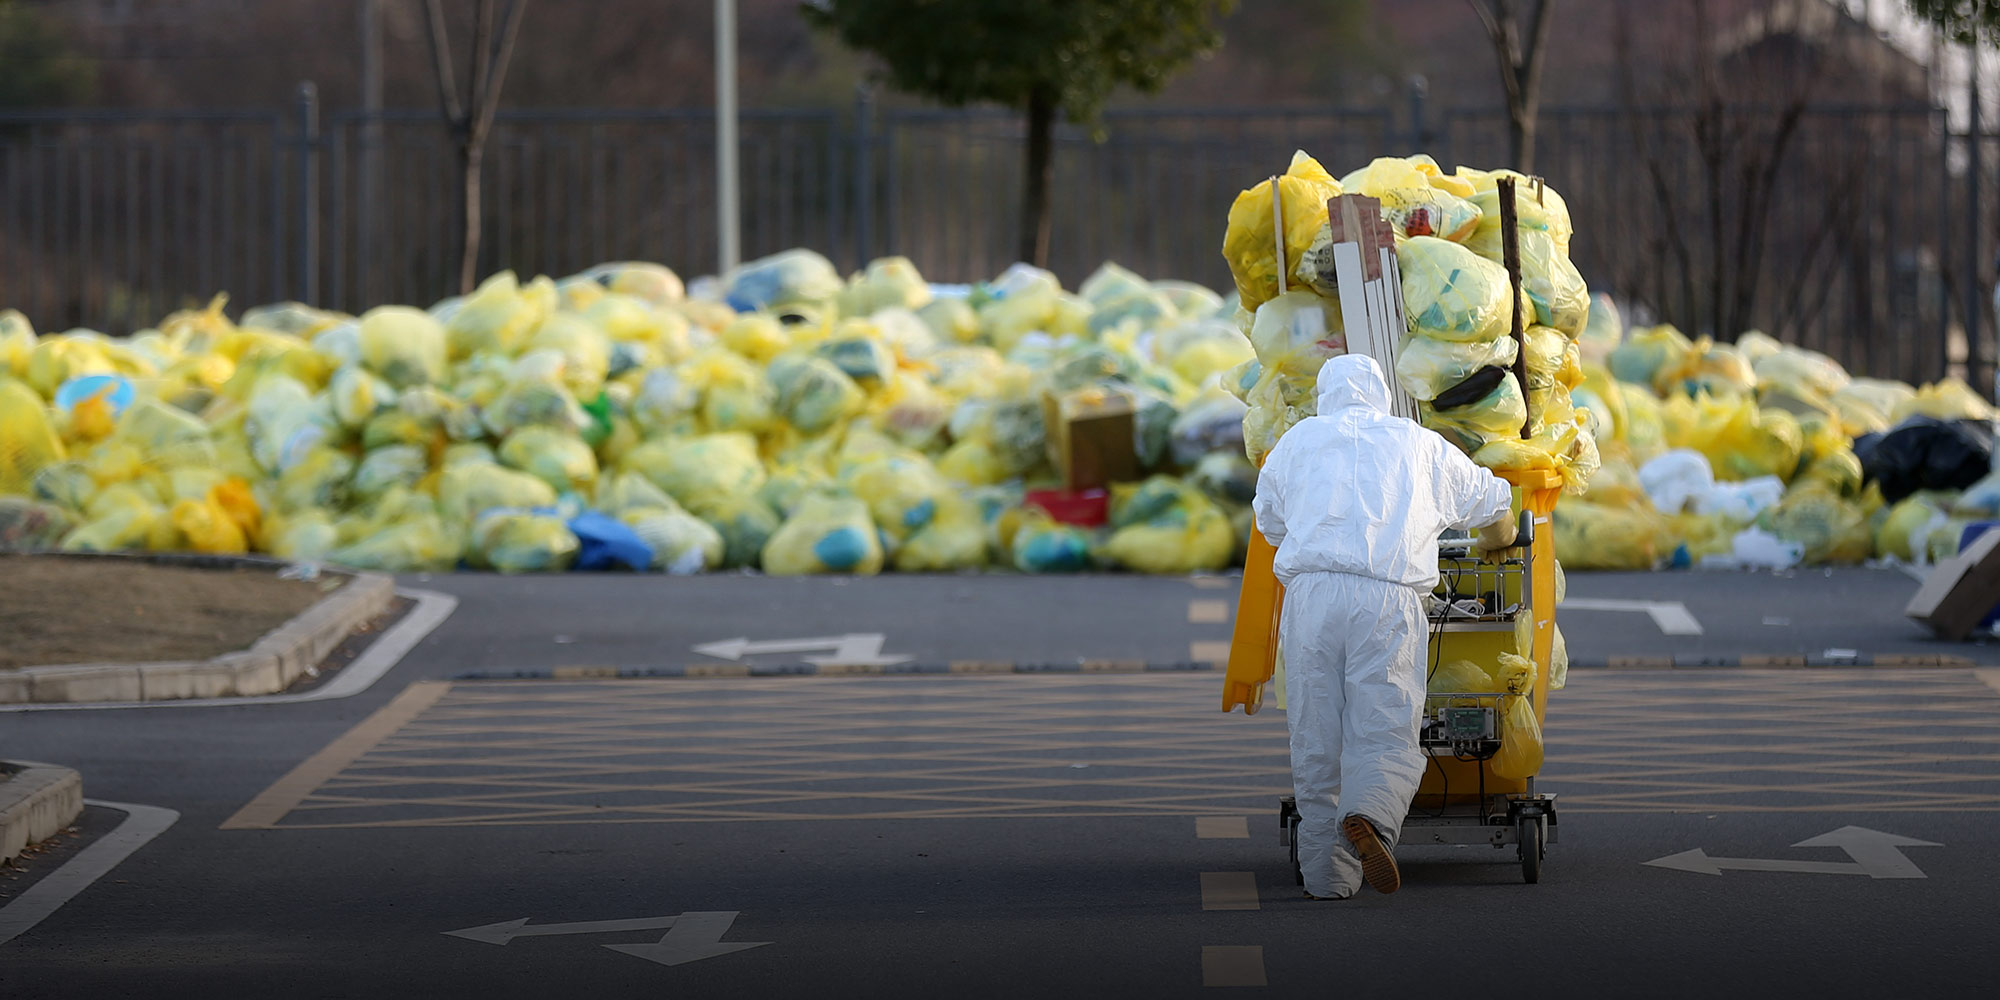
x: 1090, y: 437
x: 1961, y: 590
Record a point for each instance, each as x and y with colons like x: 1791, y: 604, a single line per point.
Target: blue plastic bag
x: 606, y: 543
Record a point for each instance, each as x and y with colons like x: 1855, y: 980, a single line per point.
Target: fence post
x: 864, y: 173
x: 308, y: 231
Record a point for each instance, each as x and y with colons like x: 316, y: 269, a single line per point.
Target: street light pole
x: 728, y: 220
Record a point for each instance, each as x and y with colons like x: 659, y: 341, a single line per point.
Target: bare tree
x: 471, y: 120
x: 1520, y: 68
x: 1740, y: 116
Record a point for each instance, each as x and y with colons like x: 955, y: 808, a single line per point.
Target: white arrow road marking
x: 695, y: 936
x: 852, y: 649
x: 1672, y: 617
x: 1876, y: 855
x: 508, y: 930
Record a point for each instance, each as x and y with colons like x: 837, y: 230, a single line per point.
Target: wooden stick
x: 1278, y: 229
x: 1510, y: 244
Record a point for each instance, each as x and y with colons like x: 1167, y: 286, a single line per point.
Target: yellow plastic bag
x: 306, y: 536
x: 623, y: 491
x: 514, y: 541
x: 1590, y: 536
x: 404, y: 346
x: 1828, y: 529
x: 758, y: 336
x: 1868, y: 406
x: 358, y: 395
x: 1949, y: 399
x: 585, y: 352
x: 469, y: 489
x: 954, y: 540
x: 1905, y: 530
x: 828, y: 534
x: 561, y: 460
x: 1164, y: 526
x: 631, y: 321
x: 887, y: 282
x: 951, y: 319
x: 1461, y: 677
x: 903, y: 491
x: 1552, y: 285
x: 1537, y: 207
x: 419, y: 544
x: 1451, y: 293
x: 1250, y: 243
x: 1520, y: 753
x: 28, y: 439
x: 208, y: 527
x: 1513, y: 454
x: 1652, y: 356
x: 121, y: 517
x: 1427, y: 366
x: 682, y: 543
x: 813, y: 394
x: 498, y: 316
x: 1801, y: 372
x: 388, y: 467
x: 1558, y: 661
x: 654, y: 283
x: 1415, y: 198
x: 703, y: 473
x: 1500, y: 413
x: 17, y: 343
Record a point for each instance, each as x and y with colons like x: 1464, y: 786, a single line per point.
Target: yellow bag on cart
x: 1520, y: 753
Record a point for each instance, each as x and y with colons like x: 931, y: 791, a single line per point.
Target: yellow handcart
x: 1482, y: 608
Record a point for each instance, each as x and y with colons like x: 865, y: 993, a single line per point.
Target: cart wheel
x: 1531, y: 849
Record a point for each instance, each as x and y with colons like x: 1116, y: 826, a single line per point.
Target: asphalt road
x: 1017, y: 835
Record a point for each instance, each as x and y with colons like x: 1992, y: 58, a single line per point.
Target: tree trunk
x: 1040, y: 169
x: 471, y: 160
x: 1521, y: 139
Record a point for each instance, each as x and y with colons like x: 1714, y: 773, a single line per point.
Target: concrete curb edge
x: 270, y: 665
x: 36, y: 801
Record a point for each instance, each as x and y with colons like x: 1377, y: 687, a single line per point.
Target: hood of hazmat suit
x: 1354, y: 500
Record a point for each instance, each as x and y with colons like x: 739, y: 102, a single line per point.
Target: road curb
x: 270, y: 665
x: 36, y: 801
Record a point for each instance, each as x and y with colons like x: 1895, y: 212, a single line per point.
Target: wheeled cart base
x: 1526, y: 821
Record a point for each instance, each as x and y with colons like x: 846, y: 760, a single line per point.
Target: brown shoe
x: 1378, y: 863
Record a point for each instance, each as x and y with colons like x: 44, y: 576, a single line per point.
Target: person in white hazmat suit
x: 1354, y: 501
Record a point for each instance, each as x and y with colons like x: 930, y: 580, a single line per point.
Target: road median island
x: 37, y: 801
x: 132, y: 628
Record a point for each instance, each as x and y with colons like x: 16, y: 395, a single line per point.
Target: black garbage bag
x: 1924, y: 453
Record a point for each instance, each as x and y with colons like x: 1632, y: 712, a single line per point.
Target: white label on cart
x: 1876, y: 855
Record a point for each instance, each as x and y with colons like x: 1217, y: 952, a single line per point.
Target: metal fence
x: 1863, y: 245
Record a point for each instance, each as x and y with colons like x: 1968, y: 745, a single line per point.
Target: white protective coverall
x: 1354, y: 500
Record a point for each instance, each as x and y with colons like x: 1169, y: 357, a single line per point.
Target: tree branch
x: 447, y: 87
x: 482, y: 53
x: 1538, y: 33
x: 510, y: 29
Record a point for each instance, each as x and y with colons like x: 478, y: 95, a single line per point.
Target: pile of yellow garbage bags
x: 1744, y: 455
x: 1459, y: 358
x: 782, y: 417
